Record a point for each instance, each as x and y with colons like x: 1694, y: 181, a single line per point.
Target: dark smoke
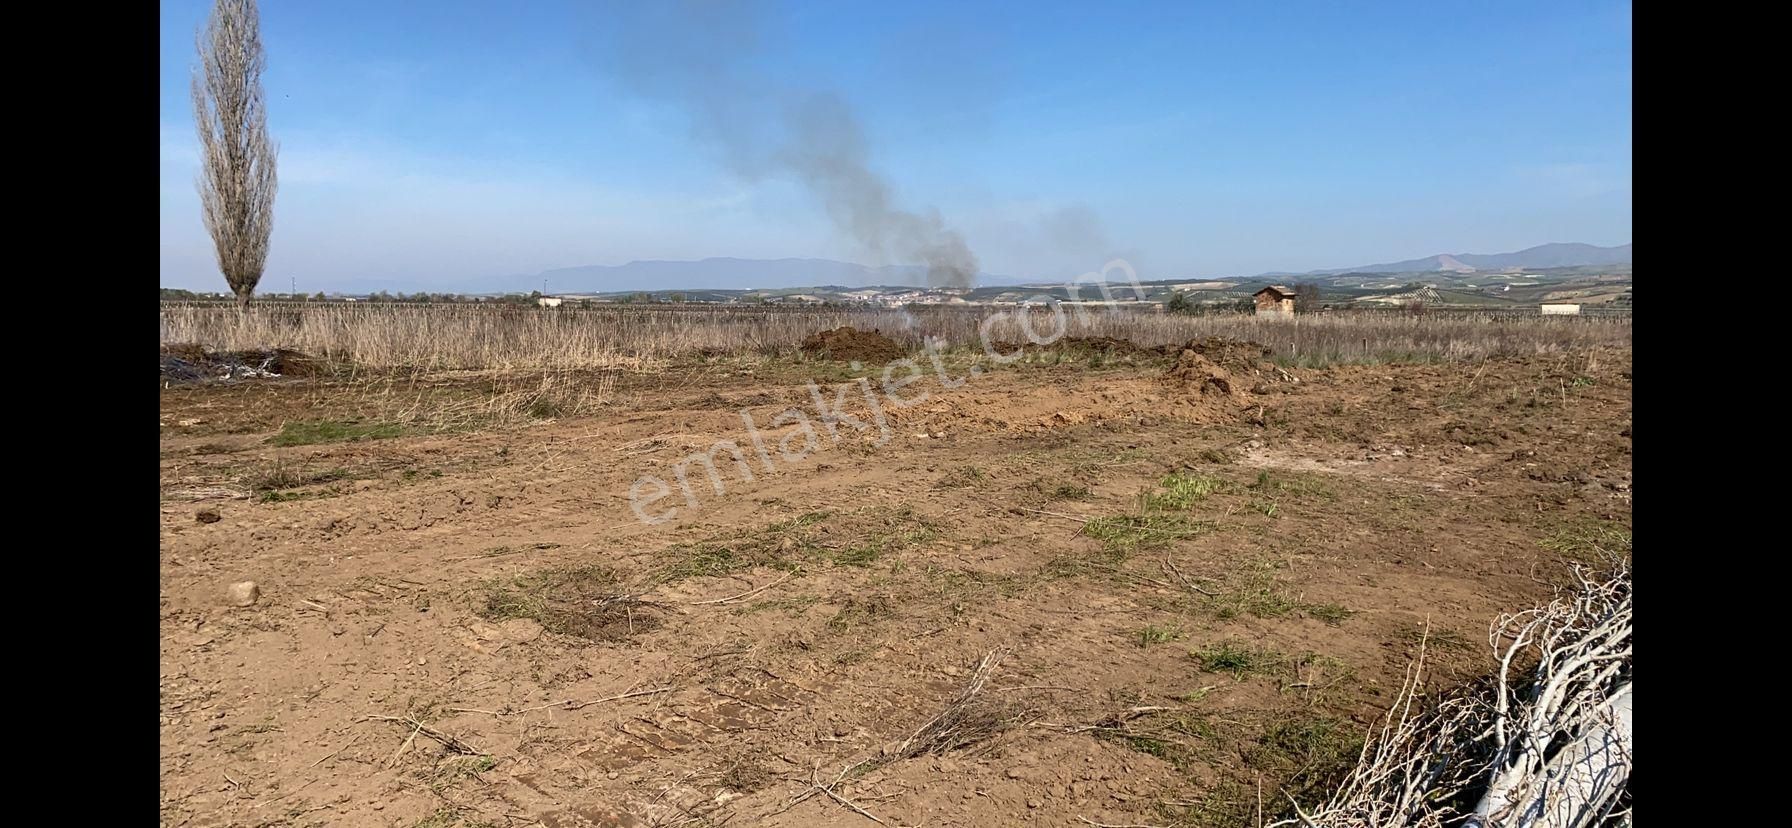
x: 702, y: 56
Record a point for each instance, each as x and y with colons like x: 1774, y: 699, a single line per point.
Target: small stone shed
x: 1275, y: 300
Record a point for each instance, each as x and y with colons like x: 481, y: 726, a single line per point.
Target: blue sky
x: 448, y: 145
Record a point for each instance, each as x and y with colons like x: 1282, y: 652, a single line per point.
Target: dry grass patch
x: 494, y: 335
x: 585, y: 602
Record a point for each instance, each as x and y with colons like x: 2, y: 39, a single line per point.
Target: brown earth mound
x: 1236, y: 355
x: 849, y: 344
x: 1196, y: 370
x: 1217, y: 365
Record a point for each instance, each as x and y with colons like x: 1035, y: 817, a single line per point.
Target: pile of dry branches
x: 1544, y: 743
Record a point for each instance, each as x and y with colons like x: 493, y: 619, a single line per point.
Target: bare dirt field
x: 1095, y: 587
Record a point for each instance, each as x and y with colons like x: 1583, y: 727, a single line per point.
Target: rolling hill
x: 1541, y: 256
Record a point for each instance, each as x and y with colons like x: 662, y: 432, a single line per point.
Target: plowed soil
x: 1177, y: 591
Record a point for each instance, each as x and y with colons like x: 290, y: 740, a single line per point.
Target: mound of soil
x: 849, y: 344
x: 1217, y: 365
x: 1236, y: 355
x: 1193, y: 369
x: 192, y: 363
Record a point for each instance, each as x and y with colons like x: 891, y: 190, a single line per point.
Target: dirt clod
x: 207, y: 516
x: 243, y: 594
x: 849, y: 344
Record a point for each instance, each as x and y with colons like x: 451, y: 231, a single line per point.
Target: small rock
x: 207, y: 516
x: 1034, y: 803
x: 1013, y: 773
x: 244, y: 593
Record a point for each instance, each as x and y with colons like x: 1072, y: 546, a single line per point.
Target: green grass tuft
x: 1333, y: 614
x: 1182, y: 489
x: 1237, y: 659
x: 1152, y: 634
x: 1070, y: 492
x: 904, y: 529
x: 308, y: 432
x: 1591, y: 543
x: 1122, y: 534
x: 1314, y: 753
x: 705, y: 561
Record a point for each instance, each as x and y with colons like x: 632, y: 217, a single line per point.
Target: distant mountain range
x: 727, y: 273
x: 742, y: 274
x: 1541, y: 256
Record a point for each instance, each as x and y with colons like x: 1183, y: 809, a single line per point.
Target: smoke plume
x: 704, y: 57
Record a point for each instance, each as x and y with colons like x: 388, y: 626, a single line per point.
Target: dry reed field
x: 1106, y: 584
x: 509, y: 337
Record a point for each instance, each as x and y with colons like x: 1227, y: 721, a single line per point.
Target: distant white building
x: 1561, y: 310
x: 549, y: 301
